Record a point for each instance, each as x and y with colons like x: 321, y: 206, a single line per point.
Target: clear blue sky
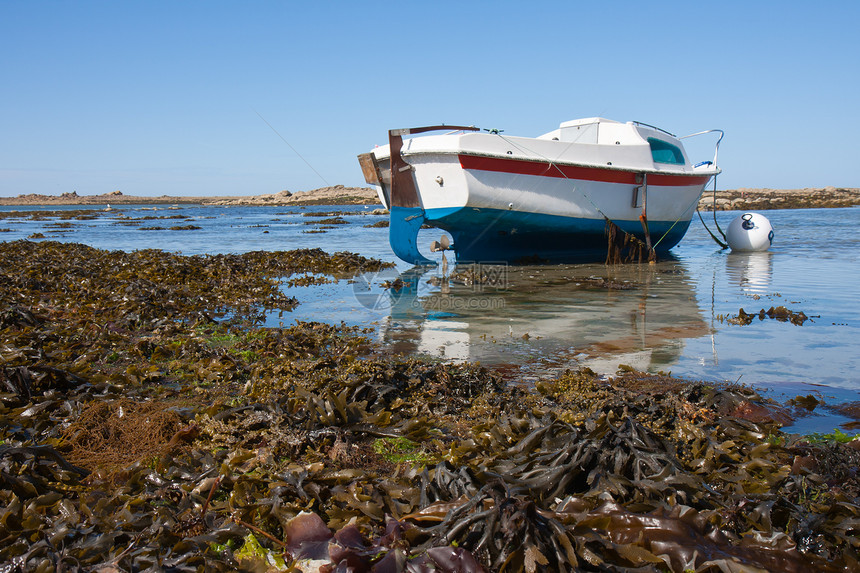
x: 166, y: 97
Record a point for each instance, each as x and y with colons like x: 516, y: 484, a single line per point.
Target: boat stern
x: 398, y: 191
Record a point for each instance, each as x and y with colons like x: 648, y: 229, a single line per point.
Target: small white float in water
x: 750, y: 232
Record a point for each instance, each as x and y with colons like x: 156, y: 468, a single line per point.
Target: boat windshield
x: 665, y: 152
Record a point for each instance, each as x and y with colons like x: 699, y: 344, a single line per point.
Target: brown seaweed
x: 779, y: 313
x: 148, y: 422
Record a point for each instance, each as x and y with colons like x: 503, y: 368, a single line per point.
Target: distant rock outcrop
x: 736, y: 199
x: 336, y: 195
x: 744, y: 199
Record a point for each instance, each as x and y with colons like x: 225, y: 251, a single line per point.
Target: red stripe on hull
x: 546, y: 169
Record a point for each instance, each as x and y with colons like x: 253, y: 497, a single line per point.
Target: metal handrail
x: 654, y: 127
x: 717, y: 147
x: 722, y: 244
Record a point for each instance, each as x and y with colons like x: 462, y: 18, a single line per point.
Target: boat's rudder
x: 407, y: 214
x: 405, y: 222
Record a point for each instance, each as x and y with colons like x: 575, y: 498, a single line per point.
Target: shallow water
x: 670, y: 316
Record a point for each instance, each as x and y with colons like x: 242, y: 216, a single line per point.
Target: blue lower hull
x: 514, y: 236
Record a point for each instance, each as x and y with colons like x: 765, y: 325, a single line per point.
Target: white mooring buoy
x: 750, y: 232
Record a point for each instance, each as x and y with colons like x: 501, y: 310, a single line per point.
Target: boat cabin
x: 665, y: 147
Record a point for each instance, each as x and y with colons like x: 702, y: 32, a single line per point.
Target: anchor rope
x: 715, y: 214
x: 714, y: 237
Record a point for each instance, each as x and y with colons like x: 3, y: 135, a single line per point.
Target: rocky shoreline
x: 334, y: 195
x: 764, y: 199
x: 732, y: 199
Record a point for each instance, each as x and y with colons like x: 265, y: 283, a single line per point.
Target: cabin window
x: 665, y: 152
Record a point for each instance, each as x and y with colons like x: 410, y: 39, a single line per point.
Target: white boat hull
x: 503, y: 199
x: 504, y: 212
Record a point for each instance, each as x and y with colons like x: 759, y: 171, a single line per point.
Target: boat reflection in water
x: 546, y: 316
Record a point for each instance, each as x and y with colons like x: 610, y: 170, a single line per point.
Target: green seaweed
x: 401, y: 450
x: 836, y: 436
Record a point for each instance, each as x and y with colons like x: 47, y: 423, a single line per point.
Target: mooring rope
x: 630, y: 239
x: 696, y: 200
x: 557, y: 168
x: 714, y: 237
x: 611, y: 235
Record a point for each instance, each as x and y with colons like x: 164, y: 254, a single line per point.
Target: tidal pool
x: 534, y: 321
